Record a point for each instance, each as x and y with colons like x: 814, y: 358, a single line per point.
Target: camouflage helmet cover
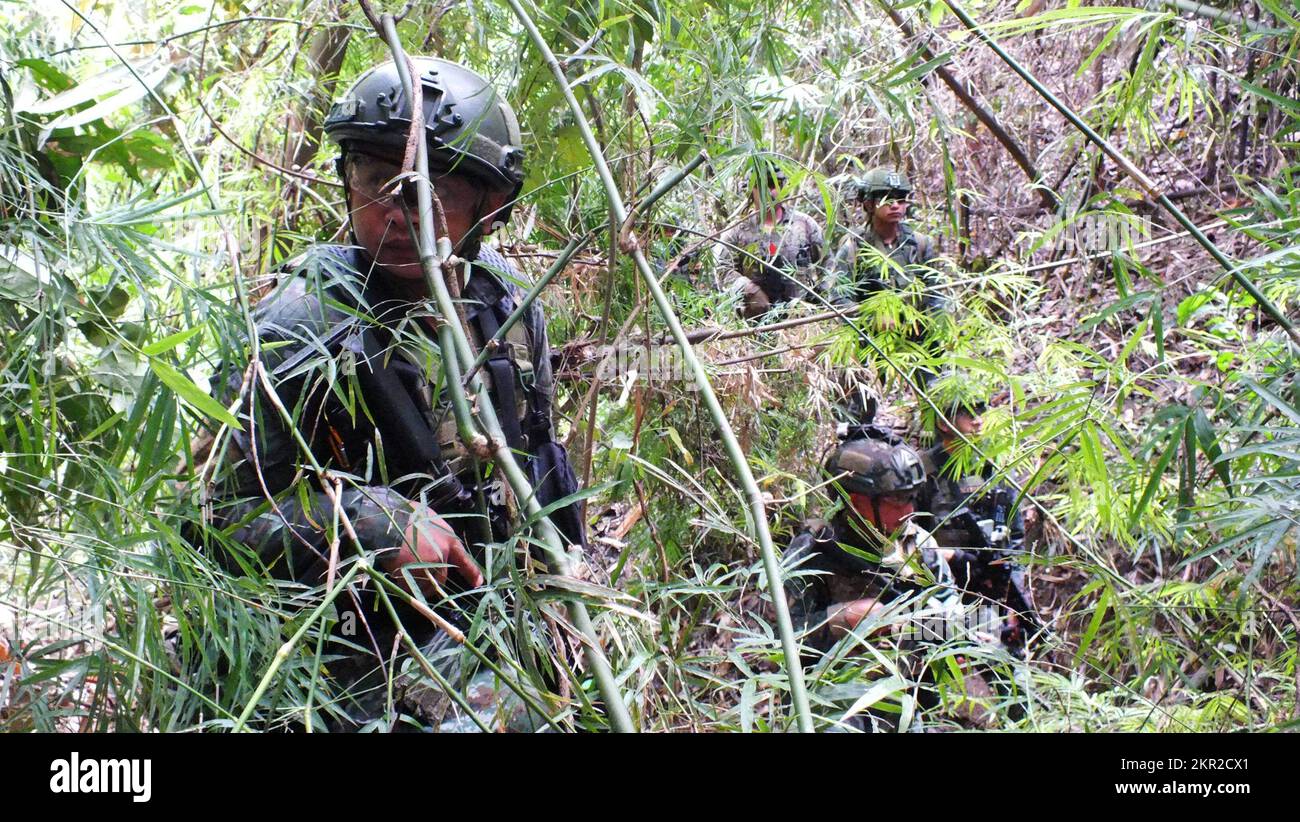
x: 469, y: 128
x: 880, y: 180
x: 875, y: 467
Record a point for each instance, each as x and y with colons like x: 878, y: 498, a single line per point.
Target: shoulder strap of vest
x: 502, y: 368
x: 537, y: 425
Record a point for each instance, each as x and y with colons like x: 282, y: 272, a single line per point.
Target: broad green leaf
x: 169, y: 342
x: 191, y: 394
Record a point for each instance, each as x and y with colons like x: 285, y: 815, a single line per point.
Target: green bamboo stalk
x: 433, y: 252
x: 1212, y: 13
x: 772, y: 568
x: 1131, y: 170
x: 282, y: 654
x: 561, y: 260
x: 668, y: 183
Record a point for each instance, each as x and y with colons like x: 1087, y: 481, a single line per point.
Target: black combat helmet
x: 877, y: 466
x: 469, y: 128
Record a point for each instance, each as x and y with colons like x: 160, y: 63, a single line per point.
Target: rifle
x: 992, y: 571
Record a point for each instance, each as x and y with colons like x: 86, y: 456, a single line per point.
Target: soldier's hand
x: 845, y: 616
x: 429, y: 539
x: 754, y: 301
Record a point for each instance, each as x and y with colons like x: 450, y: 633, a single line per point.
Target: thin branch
x: 490, y: 346
x: 762, y: 534
x: 667, y: 184
x: 1212, y: 13
x: 1133, y: 171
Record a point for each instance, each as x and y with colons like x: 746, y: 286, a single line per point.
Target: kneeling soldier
x: 880, y: 479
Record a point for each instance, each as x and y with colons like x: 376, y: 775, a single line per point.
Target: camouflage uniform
x: 318, y: 314
x: 327, y: 312
x: 350, y: 355
x: 766, y: 262
x: 830, y: 569
x: 873, y: 463
x: 828, y: 575
x: 859, y: 271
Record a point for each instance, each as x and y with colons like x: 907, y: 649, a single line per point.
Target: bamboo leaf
x: 1153, y: 482
x: 1289, y: 411
x: 878, y: 691
x: 192, y: 395
x: 169, y: 342
x: 107, y: 82
x: 1090, y: 633
x: 1209, y: 442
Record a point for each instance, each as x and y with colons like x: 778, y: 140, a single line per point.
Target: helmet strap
x: 473, y: 240
x: 341, y: 168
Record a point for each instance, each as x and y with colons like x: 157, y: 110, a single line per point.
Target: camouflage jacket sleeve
x: 837, y: 286
x: 729, y: 265
x: 816, y: 240
x: 927, y: 257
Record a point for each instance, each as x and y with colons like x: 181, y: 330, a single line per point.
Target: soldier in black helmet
x: 349, y: 342
x: 767, y: 255
x: 973, y: 512
x: 870, y: 555
x: 879, y: 478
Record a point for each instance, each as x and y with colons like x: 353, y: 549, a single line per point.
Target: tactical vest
x: 771, y: 256
x: 409, y: 368
x: 508, y: 373
x: 422, y: 453
x: 912, y: 249
x: 509, y: 378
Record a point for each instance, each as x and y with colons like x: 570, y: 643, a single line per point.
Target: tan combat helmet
x: 883, y: 180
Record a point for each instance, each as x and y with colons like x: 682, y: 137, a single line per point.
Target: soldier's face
x: 963, y: 422
x: 890, y: 511
x: 891, y: 208
x: 380, y: 222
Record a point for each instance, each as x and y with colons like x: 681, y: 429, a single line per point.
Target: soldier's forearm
x: 292, y: 536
